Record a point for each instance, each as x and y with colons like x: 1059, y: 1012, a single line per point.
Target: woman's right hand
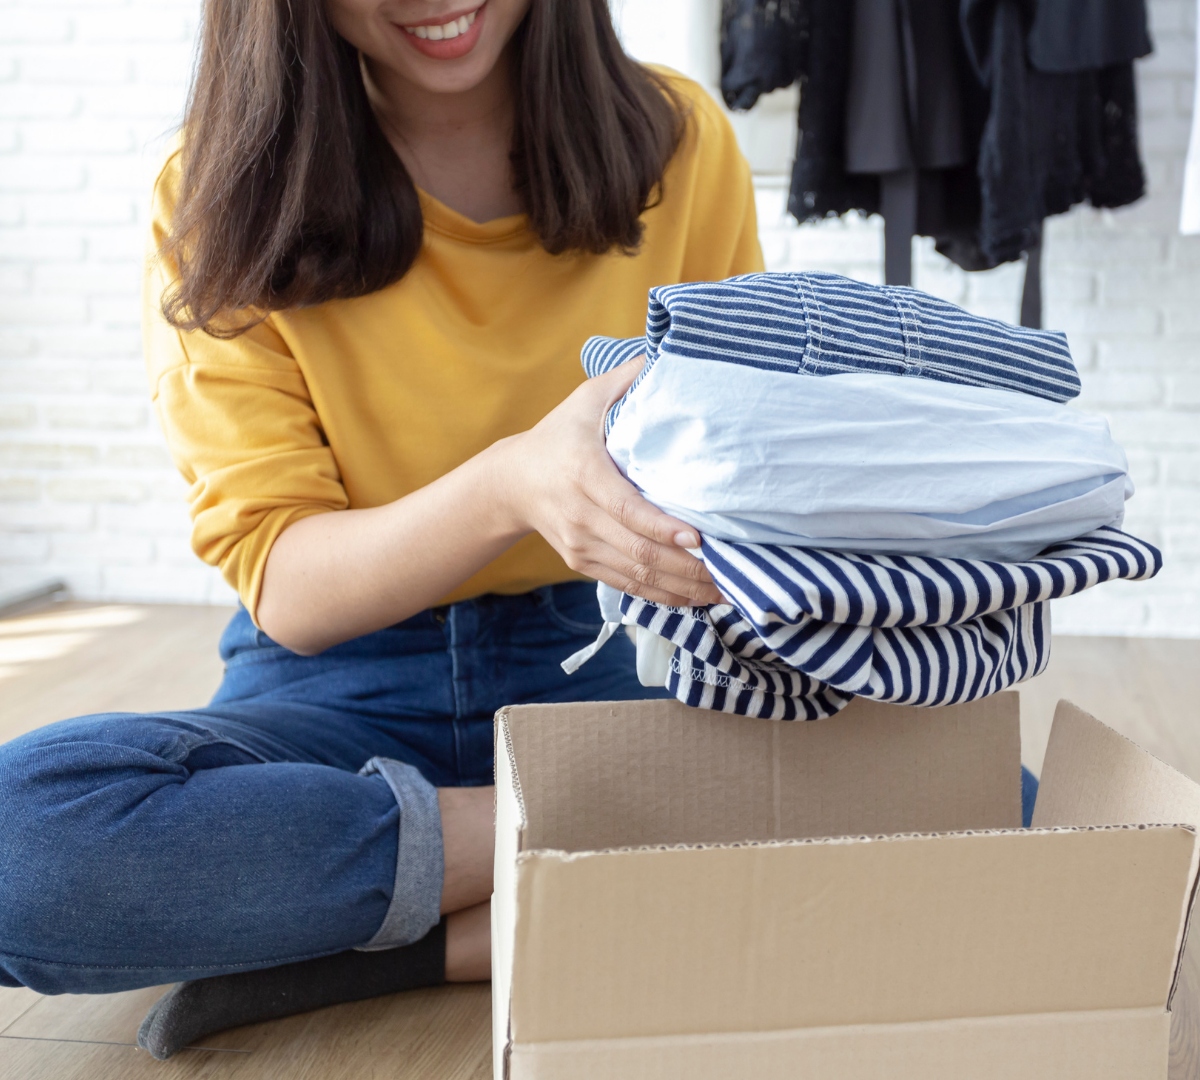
x: 558, y: 480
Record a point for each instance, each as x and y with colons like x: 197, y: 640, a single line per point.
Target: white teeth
x: 446, y: 31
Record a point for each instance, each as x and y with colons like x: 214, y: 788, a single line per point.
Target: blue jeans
x: 145, y: 849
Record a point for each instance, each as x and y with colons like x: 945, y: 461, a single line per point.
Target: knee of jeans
x: 23, y: 858
x: 62, y: 796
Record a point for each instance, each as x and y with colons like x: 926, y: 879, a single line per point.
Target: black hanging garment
x: 966, y: 120
x: 906, y: 118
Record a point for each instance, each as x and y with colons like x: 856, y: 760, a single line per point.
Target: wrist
x: 502, y: 489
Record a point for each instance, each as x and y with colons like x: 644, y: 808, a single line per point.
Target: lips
x: 446, y: 37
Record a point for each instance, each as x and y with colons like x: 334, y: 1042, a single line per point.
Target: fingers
x: 657, y: 566
x: 645, y: 546
x: 648, y: 578
x: 624, y: 504
x: 605, y: 573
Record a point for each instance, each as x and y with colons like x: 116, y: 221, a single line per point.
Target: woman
x: 388, y: 229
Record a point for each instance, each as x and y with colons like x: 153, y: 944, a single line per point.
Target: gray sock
x: 192, y: 1010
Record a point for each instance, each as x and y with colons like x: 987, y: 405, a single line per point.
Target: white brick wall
x: 89, y: 89
x: 89, y: 92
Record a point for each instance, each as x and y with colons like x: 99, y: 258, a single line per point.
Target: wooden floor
x: 70, y: 659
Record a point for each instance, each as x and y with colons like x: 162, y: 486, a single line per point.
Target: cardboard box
x: 683, y: 894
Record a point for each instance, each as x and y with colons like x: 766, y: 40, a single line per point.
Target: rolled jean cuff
x: 417, y: 894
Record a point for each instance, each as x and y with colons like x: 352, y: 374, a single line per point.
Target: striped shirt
x: 826, y: 324
x: 809, y: 630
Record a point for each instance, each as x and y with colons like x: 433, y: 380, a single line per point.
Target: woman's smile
x: 447, y: 37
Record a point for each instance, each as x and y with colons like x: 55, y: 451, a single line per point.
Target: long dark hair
x: 291, y: 195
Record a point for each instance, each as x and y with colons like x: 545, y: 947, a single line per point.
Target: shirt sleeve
x: 240, y: 425
x: 747, y: 252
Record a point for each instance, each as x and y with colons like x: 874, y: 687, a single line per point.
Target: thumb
x: 613, y: 384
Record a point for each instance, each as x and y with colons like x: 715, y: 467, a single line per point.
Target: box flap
x: 803, y: 934
x: 1095, y: 776
x: 602, y: 775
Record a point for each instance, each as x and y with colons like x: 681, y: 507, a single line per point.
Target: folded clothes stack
x: 889, y: 491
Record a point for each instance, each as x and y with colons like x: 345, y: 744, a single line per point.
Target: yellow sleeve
x: 747, y: 252
x: 735, y: 189
x: 723, y: 219
x: 240, y: 425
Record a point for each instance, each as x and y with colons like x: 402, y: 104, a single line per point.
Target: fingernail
x: 687, y: 539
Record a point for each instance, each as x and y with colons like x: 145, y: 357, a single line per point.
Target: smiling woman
x: 303, y: 122
x: 386, y: 231
x: 458, y: 29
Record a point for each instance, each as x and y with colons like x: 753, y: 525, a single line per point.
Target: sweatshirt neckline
x: 441, y: 218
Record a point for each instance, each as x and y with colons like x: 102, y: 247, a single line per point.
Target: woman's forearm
x: 332, y: 577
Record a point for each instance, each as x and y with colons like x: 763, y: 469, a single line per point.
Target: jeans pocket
x: 573, y: 607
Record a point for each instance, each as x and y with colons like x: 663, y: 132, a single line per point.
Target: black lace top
x: 1047, y: 109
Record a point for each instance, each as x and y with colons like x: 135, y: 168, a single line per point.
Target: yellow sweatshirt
x: 356, y: 403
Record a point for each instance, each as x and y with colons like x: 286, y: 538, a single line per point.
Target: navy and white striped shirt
x: 809, y: 630
x: 826, y: 324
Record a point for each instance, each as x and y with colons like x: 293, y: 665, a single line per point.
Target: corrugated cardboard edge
x: 1100, y: 1045
x: 1085, y: 760
x: 1189, y: 907
x: 836, y: 841
x: 510, y: 822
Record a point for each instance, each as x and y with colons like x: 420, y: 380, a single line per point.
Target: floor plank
x: 68, y: 1061
x: 14, y: 1003
x: 93, y: 1017
x: 443, y: 1033
x: 72, y: 659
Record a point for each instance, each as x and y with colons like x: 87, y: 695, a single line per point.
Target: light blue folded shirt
x: 865, y: 462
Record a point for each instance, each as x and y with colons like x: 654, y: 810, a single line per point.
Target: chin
x: 447, y: 76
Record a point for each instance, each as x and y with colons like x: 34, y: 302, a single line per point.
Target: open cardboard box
x: 684, y: 894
